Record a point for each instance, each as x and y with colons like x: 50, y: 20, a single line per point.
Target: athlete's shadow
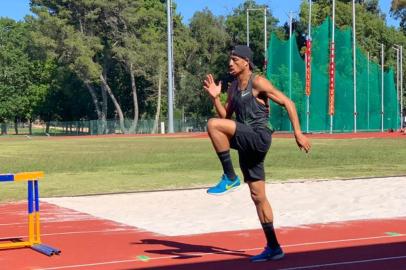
x: 186, y: 251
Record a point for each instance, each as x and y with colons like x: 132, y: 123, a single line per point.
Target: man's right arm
x: 221, y: 111
x: 214, y: 91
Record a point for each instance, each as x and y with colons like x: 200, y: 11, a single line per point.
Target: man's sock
x: 270, y: 235
x: 227, y: 164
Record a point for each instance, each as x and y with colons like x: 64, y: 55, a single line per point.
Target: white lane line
x: 241, y: 250
x: 343, y: 263
x: 213, y: 253
x: 345, y: 240
x: 291, y: 245
x: 48, y: 222
x: 101, y: 263
x: 78, y: 232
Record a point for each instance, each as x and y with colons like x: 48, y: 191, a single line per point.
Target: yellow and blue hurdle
x: 34, y: 236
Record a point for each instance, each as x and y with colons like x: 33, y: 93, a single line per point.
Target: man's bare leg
x: 265, y: 215
x: 220, y: 132
x: 258, y: 196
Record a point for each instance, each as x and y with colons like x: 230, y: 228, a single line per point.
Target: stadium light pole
x: 400, y: 61
x: 401, y: 84
x: 265, y: 27
x: 368, y: 90
x: 170, y: 66
x: 354, y: 65
x: 290, y: 58
x: 290, y: 53
x: 397, y: 49
x: 332, y: 68
x: 382, y: 86
x: 265, y: 38
x: 309, y: 36
x: 248, y: 26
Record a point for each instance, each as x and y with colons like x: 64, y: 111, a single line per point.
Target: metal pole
x: 265, y: 37
x: 290, y: 59
x: 397, y: 81
x: 334, y: 20
x: 310, y: 18
x: 173, y: 63
x: 307, y: 105
x: 170, y: 66
x: 368, y: 90
x: 382, y: 86
x: 399, y: 78
x: 265, y: 29
x: 248, y: 28
x: 307, y: 97
x: 290, y: 55
x: 332, y: 58
x: 355, y: 65
x: 401, y: 85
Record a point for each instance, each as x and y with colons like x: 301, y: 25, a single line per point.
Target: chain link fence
x: 100, y: 127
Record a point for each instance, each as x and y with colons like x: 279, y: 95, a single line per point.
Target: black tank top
x: 247, y: 108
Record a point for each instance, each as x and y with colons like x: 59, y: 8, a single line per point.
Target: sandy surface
x: 294, y: 204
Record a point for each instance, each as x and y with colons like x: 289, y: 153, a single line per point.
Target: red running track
x: 90, y: 243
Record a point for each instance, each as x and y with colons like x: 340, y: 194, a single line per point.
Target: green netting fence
x: 368, y: 88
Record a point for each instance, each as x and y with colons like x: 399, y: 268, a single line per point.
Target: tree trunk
x: 116, y: 104
x: 104, y: 109
x: 104, y: 98
x: 158, y: 106
x: 134, y: 124
x: 3, y: 128
x: 101, y: 129
x: 30, y: 127
x: 16, y: 125
x: 47, y: 127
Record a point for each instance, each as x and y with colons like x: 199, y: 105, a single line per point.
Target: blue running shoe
x: 224, y: 186
x: 268, y: 254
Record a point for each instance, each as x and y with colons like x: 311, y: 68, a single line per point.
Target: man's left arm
x: 263, y: 85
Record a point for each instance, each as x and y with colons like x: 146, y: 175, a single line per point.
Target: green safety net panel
x: 293, y: 86
x: 368, y: 91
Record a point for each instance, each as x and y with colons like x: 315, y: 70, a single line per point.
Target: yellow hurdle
x: 34, y: 237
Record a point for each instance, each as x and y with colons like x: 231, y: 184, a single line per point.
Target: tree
x: 398, y: 11
x: 206, y: 52
x: 94, y: 37
x: 65, y: 31
x: 23, y: 79
x: 141, y: 48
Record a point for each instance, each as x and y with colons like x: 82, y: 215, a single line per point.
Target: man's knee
x: 213, y: 124
x: 258, y: 197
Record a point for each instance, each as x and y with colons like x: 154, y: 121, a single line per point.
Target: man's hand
x: 303, y: 142
x: 211, y: 87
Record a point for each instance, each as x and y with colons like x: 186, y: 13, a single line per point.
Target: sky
x: 17, y: 9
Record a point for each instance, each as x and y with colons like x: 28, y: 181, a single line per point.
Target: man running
x: 250, y: 134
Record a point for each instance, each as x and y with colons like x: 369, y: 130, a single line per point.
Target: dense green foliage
x: 100, y: 59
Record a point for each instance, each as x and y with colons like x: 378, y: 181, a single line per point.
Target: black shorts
x: 252, y: 145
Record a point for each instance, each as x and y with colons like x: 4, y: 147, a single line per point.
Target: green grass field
x: 76, y: 166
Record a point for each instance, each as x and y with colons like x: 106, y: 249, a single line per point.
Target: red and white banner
x: 308, y: 66
x: 332, y: 80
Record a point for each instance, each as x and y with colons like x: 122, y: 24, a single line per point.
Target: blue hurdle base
x: 45, y: 249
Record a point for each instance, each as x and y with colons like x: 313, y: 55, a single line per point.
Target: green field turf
x: 76, y: 166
